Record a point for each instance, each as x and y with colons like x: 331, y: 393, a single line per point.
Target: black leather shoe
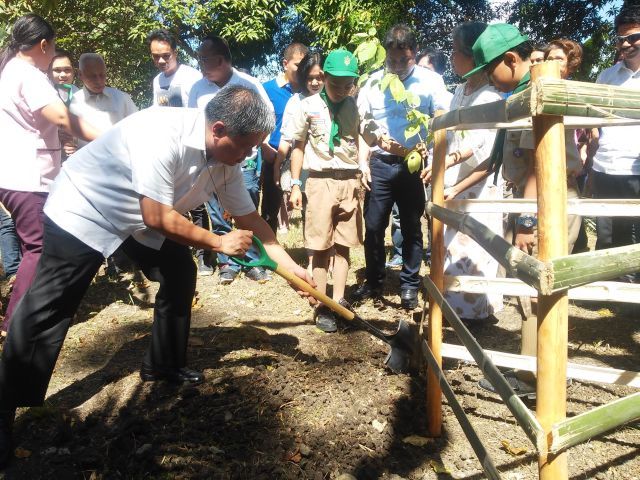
x: 365, y: 291
x: 409, y: 298
x: 6, y: 436
x: 172, y: 375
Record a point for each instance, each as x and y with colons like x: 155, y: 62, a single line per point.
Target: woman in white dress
x: 465, y: 151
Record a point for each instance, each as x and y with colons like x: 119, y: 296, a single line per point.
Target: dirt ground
x: 282, y: 400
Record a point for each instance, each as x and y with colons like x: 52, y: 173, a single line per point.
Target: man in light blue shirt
x: 383, y: 126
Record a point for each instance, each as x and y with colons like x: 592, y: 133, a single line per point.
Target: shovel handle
x: 265, y: 261
x: 321, y: 297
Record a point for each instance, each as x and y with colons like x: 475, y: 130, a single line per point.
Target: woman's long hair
x: 28, y: 31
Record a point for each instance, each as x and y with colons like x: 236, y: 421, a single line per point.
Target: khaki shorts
x: 334, y: 213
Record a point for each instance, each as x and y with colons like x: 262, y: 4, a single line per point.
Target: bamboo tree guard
x: 551, y: 179
x: 552, y: 275
x: 434, y: 330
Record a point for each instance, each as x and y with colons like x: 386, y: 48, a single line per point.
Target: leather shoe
x: 364, y: 291
x: 171, y: 375
x: 409, y: 298
x: 325, y: 319
x: 6, y: 434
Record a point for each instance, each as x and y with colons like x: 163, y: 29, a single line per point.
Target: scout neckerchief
x: 334, y: 136
x: 497, y: 152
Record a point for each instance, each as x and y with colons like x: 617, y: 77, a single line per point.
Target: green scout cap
x: 341, y: 63
x: 496, y: 40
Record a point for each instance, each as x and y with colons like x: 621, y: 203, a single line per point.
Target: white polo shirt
x: 619, y: 147
x: 204, y: 90
x: 173, y: 90
x: 157, y: 153
x: 381, y: 114
x: 102, y: 110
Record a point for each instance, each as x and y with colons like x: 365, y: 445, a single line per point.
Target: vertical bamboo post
x: 551, y: 177
x: 434, y: 392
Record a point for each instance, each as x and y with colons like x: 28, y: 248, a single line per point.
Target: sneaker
x: 365, y: 291
x: 227, y: 275
x: 204, y: 270
x: 257, y: 274
x: 325, y: 319
x: 395, y: 263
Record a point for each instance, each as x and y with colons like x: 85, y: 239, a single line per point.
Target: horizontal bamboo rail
x: 522, y: 414
x: 582, y: 268
x: 472, y: 436
x: 585, y: 373
x: 548, y: 97
x: 596, y: 291
x: 575, y: 206
x: 517, y: 263
x: 580, y: 428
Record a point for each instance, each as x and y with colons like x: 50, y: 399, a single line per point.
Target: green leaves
x: 397, y: 89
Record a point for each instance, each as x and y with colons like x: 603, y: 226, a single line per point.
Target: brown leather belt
x: 335, y: 174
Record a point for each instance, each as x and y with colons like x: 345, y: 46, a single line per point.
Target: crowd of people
x: 87, y: 177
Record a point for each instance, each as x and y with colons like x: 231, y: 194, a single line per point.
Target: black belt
x: 388, y: 159
x: 335, y: 174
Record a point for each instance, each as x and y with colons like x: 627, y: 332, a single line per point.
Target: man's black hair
x: 218, y: 46
x: 162, y: 35
x: 523, y: 50
x: 437, y: 58
x: 629, y: 14
x: 400, y: 36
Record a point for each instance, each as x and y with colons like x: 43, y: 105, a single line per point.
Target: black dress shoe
x: 172, y: 375
x: 364, y: 291
x: 325, y: 319
x: 6, y: 436
x: 409, y: 298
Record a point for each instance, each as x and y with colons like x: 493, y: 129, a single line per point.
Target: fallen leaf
x: 439, y: 467
x: 515, y: 451
x: 417, y: 440
x: 379, y: 426
x: 296, y: 457
x: 22, y: 453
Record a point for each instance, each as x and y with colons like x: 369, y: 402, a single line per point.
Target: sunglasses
x: 631, y: 38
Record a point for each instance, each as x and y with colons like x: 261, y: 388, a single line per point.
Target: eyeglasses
x: 631, y: 38
x: 165, y: 56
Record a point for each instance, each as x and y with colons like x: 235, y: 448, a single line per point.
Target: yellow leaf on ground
x: 515, y: 451
x: 22, y: 453
x: 439, y: 467
x: 417, y: 440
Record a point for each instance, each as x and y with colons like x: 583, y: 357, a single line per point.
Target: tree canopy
x: 258, y: 30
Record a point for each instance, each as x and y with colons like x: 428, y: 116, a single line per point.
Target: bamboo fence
x: 545, y: 102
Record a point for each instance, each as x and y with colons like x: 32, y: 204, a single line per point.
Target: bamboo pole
x: 517, y: 263
x: 587, y: 207
x: 596, y: 291
x: 525, y: 418
x: 434, y: 331
x: 589, y: 424
x: 472, y: 436
x: 574, y: 270
x: 551, y: 177
x: 584, y: 373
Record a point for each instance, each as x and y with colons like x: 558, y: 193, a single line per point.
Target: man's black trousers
x: 65, y: 271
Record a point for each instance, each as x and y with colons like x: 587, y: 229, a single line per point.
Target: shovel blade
x: 402, y: 347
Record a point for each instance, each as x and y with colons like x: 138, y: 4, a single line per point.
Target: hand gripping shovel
x: 401, y: 342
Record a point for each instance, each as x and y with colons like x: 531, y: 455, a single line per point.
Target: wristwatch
x: 527, y: 221
x: 296, y: 181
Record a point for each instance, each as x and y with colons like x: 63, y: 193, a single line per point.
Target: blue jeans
x: 9, y: 245
x: 396, y: 233
x: 221, y: 227
x: 392, y: 183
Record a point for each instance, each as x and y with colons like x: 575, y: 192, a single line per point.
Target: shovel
x: 401, y: 342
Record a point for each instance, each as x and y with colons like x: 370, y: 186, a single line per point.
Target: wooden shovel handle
x: 321, y: 297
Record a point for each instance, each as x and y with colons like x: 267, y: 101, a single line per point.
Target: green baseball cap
x: 341, y: 63
x: 496, y: 40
